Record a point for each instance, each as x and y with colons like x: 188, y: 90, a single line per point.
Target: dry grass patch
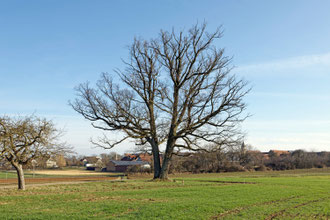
x: 73, y: 172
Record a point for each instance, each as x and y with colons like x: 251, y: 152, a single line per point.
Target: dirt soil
x: 70, y: 172
x: 35, y: 182
x: 56, y: 179
x: 70, y: 176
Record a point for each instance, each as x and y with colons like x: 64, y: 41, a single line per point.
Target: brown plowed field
x: 57, y: 179
x: 71, y: 172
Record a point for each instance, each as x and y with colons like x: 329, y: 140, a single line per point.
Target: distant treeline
x: 248, y: 160
x: 239, y: 159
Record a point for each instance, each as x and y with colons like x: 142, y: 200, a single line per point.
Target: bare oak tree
x: 176, y: 90
x: 23, y: 139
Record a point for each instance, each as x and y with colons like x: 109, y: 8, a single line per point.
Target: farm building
x: 121, y: 166
x: 138, y: 157
x: 50, y: 163
x: 92, y: 163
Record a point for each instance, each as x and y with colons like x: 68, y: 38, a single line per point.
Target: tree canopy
x: 23, y: 139
x: 176, y: 90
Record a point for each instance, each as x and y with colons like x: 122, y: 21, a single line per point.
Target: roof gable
x: 128, y: 163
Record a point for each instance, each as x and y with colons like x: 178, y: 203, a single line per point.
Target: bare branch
x: 176, y: 89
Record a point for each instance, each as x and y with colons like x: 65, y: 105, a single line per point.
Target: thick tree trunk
x: 172, y: 132
x: 156, y: 158
x: 20, y: 176
x: 157, y: 167
x: 165, y: 168
x: 167, y: 160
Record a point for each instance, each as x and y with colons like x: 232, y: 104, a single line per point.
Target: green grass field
x: 300, y: 194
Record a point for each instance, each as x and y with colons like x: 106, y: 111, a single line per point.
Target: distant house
x: 278, y: 152
x: 92, y: 163
x: 265, y: 155
x: 122, y: 165
x: 90, y: 160
x: 90, y: 166
x: 50, y: 163
x: 138, y: 157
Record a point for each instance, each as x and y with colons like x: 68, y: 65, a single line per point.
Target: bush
x: 138, y: 169
x: 233, y: 168
x: 261, y: 168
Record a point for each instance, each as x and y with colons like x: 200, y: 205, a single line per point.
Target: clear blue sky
x: 282, y: 47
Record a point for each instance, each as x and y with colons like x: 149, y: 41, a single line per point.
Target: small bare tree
x: 23, y: 139
x: 176, y: 89
x: 60, y: 160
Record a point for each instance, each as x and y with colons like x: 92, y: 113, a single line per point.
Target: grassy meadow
x: 299, y: 194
